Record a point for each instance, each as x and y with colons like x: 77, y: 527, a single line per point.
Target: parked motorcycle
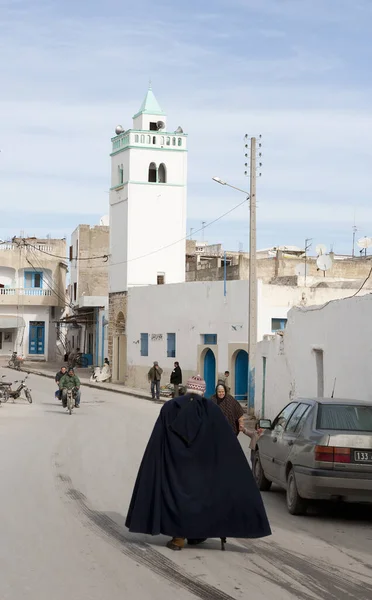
x: 15, y: 361
x: 14, y: 394
x: 4, y: 389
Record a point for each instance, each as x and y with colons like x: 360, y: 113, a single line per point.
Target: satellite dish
x: 160, y: 125
x: 324, y: 262
x: 119, y: 129
x: 320, y: 249
x: 365, y: 242
x: 104, y: 220
x: 179, y: 130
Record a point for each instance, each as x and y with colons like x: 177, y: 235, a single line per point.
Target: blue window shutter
x: 171, y: 345
x: 278, y: 324
x: 144, y: 344
x: 210, y: 339
x: 33, y: 279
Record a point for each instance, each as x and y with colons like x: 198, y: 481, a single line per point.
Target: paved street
x: 65, y: 487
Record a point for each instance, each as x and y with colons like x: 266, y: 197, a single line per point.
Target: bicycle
x: 70, y: 399
x: 15, y: 361
x: 79, y: 361
x: 7, y: 392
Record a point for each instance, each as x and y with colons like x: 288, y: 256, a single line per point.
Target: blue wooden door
x: 36, y: 337
x: 241, y: 376
x: 210, y: 373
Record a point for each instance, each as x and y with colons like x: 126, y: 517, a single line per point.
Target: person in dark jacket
x: 57, y: 379
x: 70, y: 381
x: 154, y: 377
x: 195, y: 482
x: 176, y: 378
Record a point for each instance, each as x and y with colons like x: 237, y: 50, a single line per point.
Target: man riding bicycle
x: 70, y: 381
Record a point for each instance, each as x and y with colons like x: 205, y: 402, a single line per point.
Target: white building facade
x: 148, y: 201
x: 147, y: 215
x: 324, y: 350
x: 205, y: 330
x: 32, y: 296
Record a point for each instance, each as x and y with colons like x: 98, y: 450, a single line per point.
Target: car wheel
x: 295, y: 504
x: 263, y: 484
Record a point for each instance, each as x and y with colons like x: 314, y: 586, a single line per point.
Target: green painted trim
x: 157, y: 184
x: 119, y: 186
x: 147, y: 131
x: 116, y: 187
x: 166, y: 149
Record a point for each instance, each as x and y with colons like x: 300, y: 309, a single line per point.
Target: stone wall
x: 118, y: 302
x: 278, y: 268
x: 93, y: 272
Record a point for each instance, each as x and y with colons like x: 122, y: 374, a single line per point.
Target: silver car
x: 317, y: 449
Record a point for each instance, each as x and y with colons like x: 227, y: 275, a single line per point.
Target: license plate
x: 362, y: 456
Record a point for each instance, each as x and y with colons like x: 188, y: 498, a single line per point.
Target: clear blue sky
x: 296, y: 71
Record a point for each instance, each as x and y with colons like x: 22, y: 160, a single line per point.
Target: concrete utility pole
x: 252, y: 284
x: 252, y: 296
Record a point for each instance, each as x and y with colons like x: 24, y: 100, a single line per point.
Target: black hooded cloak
x: 194, y: 480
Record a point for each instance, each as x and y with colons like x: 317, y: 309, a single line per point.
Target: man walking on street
x: 176, y: 378
x: 226, y: 382
x: 154, y: 376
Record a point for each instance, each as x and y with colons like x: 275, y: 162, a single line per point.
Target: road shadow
x: 327, y: 510
x: 160, y: 541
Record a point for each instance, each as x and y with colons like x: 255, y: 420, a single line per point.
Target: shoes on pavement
x: 176, y: 544
x: 77, y: 405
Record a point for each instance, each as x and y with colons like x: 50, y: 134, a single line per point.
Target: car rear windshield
x: 343, y: 417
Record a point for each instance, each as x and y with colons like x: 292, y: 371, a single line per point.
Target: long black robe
x: 194, y: 480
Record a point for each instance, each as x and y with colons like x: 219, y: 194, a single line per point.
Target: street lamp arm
x: 221, y: 182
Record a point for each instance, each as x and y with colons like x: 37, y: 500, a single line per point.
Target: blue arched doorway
x: 210, y: 373
x: 241, y: 376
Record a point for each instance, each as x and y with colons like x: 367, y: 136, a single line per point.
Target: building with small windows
x: 147, y: 208
x: 170, y: 302
x: 32, y: 296
x: 86, y: 319
x: 204, y: 326
x: 324, y: 351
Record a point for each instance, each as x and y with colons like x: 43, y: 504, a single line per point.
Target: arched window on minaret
x: 162, y: 173
x: 152, y: 173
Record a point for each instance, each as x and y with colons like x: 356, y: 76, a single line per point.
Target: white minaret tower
x: 148, y: 201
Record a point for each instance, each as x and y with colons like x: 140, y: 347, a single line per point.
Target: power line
x: 64, y: 257
x: 346, y: 297
x: 62, y: 299
x: 59, y: 293
x: 176, y: 242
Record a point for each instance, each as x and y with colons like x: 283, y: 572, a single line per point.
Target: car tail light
x: 342, y: 455
x: 331, y: 454
x: 324, y: 453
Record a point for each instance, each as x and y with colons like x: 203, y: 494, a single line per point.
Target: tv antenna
x: 307, y: 247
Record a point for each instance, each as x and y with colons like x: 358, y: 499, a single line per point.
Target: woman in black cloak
x: 195, y: 482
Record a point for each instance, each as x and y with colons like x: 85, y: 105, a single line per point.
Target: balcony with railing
x: 28, y: 296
